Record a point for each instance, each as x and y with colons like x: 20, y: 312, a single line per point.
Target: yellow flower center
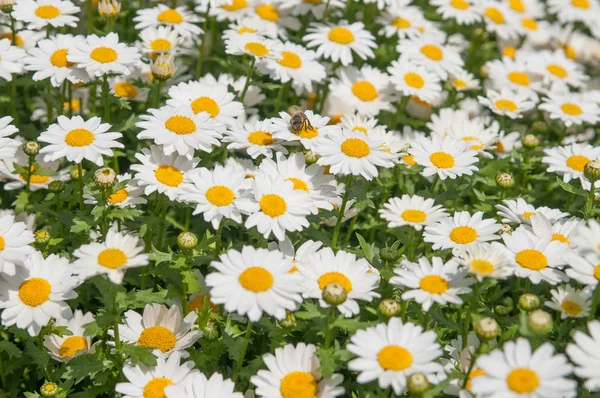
x: 432, y: 52
x: 35, y: 179
x: 257, y: 49
x: 261, y: 138
x: 571, y: 109
x: 458, y: 83
x: 459, y: 4
x: 495, y: 15
x: 335, y: 277
x: 118, y: 196
x: 158, y: 337
x: 476, y: 143
x: 409, y: 160
x: 414, y: 80
x: 59, y: 58
x: 170, y: 16
x: 394, y: 357
x: 34, y: 291
x: 355, y: 148
x: 220, y: 195
x: 246, y: 29
x: 361, y: 129
x: 364, y: 90
x: 206, y: 104
x: 585, y: 4
x: 47, y: 12
x: 125, y: 90
x: 155, y: 388
x: 71, y: 345
x: 482, y: 266
x: 168, y: 175
x: 180, y: 125
x: 79, y: 137
x: 570, y: 308
x: 463, y: 235
x: 529, y: 23
x: 272, y: 205
x: 414, y: 216
x: 290, y: 60
x: 236, y: 5
x: 520, y: 78
x: 503, y: 104
x: 522, y: 380
x: 557, y: 70
x: 517, y: 5
x: 341, y: 35
x: 256, y: 279
x: 433, y: 284
x: 2, y: 243
x: 299, y: 185
x: 298, y: 385
x: 527, y: 215
x: 112, y: 258
x: 560, y: 238
x: 442, y: 160
x: 160, y: 45
x: 104, y: 55
x: 531, y: 259
x: 18, y: 39
x: 597, y: 272
x: 509, y: 51
x: 308, y: 132
x: 401, y: 23
x: 268, y: 12
x: 474, y: 373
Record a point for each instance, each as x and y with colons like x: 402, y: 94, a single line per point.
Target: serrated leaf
x: 571, y: 188
x: 160, y: 257
x: 10, y: 349
x: 139, y: 354
x: 140, y: 298
x: 83, y: 366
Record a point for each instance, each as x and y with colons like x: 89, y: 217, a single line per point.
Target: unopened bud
x: 539, y: 321
x: 6, y: 5
x: 529, y: 302
x: 49, y: 389
x: 163, y: 67
x: 105, y: 177
x: 487, y: 328
x: 109, y: 8
x: 389, y: 307
x: 389, y: 255
x: 41, y: 237
x: 310, y: 157
x: 211, y: 332
x: 539, y: 127
x: 530, y: 141
x: 187, y: 240
x: 289, y: 321
x: 505, y: 180
x: 417, y: 383
x: 592, y: 170
x: 334, y: 294
x: 31, y: 148
x: 56, y: 186
x: 506, y: 229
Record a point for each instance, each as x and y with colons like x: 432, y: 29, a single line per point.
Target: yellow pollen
x: 256, y: 279
x: 257, y: 49
x: 463, y: 235
x: 235, y: 5
x: 355, y: 148
x: 341, y: 35
x: 290, y: 60
x: 299, y: 185
x: 509, y: 51
x: 560, y: 238
x: 500, y: 147
x: 206, y: 104
x: 474, y: 373
x: 504, y: 104
x: 104, y: 55
x: 298, y: 385
x: 413, y: 216
x: 495, y: 15
x: 393, y: 357
x: 459, y: 4
x: 419, y: 101
x: 476, y: 143
x: 268, y: 12
x: 585, y: 4
x: 361, y: 129
x: 170, y: 16
x: 433, y: 284
x: 517, y: 5
x: 557, y: 70
x: 155, y: 388
x: 246, y: 29
x: 458, y: 83
x: 529, y: 23
x: 401, y: 23
x: 158, y: 337
x: 36, y: 179
x: 118, y: 196
x: 442, y: 160
x: 414, y: 80
x: 180, y: 125
x: 220, y: 195
x: 261, y: 138
x: 125, y: 90
x: 522, y: 380
x: 168, y: 175
x: 597, y: 272
x: 482, y: 266
x: 527, y: 215
x: 160, y: 44
x: 571, y: 109
x: 47, y: 12
x: 520, y: 78
x: 272, y: 205
x: 531, y: 259
x: 364, y: 90
x: 335, y: 277
x: 112, y: 258
x: 59, y: 58
x: 409, y: 160
x: 432, y: 52
x: 34, y: 291
x: 71, y: 345
x: 570, y: 308
x: 79, y: 137
x: 308, y: 132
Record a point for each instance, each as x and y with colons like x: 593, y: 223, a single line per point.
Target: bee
x: 298, y: 120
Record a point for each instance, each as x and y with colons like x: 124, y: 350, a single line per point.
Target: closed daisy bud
x: 6, y: 5
x: 505, y: 180
x: 539, y: 321
x: 487, y: 328
x: 105, y: 177
x: 389, y: 255
x: 506, y: 229
x: 592, y: 170
x: 49, y: 389
x: 42, y: 237
x: 31, y: 148
x: 389, y: 307
x: 310, y: 157
x: 417, y: 383
x: 334, y: 294
x: 109, y: 8
x: 539, y: 127
x: 529, y: 302
x: 530, y: 141
x: 289, y: 321
x: 211, y: 332
x: 187, y: 240
x: 163, y: 67
x: 56, y: 186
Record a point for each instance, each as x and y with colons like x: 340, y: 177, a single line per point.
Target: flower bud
x: 187, y: 240
x: 6, y: 5
x: 502, y: 310
x: 289, y: 321
x: 163, y: 67
x: 487, y: 328
x: 211, y: 332
x: 105, y: 177
x: 41, y: 236
x: 49, y: 389
x: 389, y: 307
x: 505, y: 180
x: 539, y: 321
x: 530, y: 141
x: 592, y: 170
x: 109, y: 8
x: 389, y: 255
x: 539, y: 127
x: 56, y: 186
x: 417, y: 383
x: 334, y: 294
x: 529, y: 302
x: 310, y: 157
x: 31, y: 148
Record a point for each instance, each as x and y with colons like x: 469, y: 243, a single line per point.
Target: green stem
x: 29, y: 173
x: 595, y: 300
x: 340, y: 217
x: 240, y: 361
x: 349, y: 231
x: 435, y: 183
x: 80, y: 184
x: 105, y: 99
x: 2, y: 375
x: 70, y: 91
x: 63, y: 93
x: 218, y: 238
x: 589, y: 206
x: 202, y: 43
x: 467, y: 321
x: 329, y: 330
x: 403, y: 307
x: 326, y: 11
x: 13, y: 94
x: 250, y: 74
x: 94, y: 97
x: 157, y: 93
x: 282, y: 90
x: 472, y: 363
x: 163, y: 225
x: 13, y: 30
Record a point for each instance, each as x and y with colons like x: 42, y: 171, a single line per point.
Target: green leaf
x: 140, y: 298
x: 83, y: 366
x: 10, y: 349
x: 160, y: 257
x: 189, y: 279
x: 80, y: 226
x: 571, y: 188
x: 139, y: 354
x: 368, y: 250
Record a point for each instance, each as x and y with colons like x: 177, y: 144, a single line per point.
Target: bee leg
x: 310, y: 126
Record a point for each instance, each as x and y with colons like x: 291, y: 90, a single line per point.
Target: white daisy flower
x: 158, y: 172
x: 246, y: 26
x: 118, y: 252
x: 507, y: 102
x: 294, y: 372
x: 24, y: 38
x: 570, y: 302
x: 484, y: 260
x: 14, y: 244
x: 520, y: 212
x: 587, y: 237
x: 354, y: 275
x: 440, y: 123
x: 64, y: 348
x: 414, y: 211
x: 160, y: 328
x: 160, y: 39
x: 196, y: 385
x: 128, y: 196
x: 275, y: 206
x: 11, y: 60
x: 337, y: 42
x: 402, y: 21
x: 230, y: 10
x: 460, y: 360
x: 144, y: 382
x: 37, y: 292
x: 584, y: 352
x: 41, y: 13
x: 180, y: 19
x: 353, y: 153
x: 500, y: 19
x: 463, y: 11
x: 255, y: 46
x: 447, y: 157
x: 512, y: 74
x: 413, y: 80
x: 315, y: 7
x: 180, y: 130
x: 427, y: 51
x: 573, y: 11
x: 517, y: 371
x: 462, y: 80
x: 276, y: 20
x: 476, y: 135
x: 556, y: 69
x: 560, y: 230
x: 216, y: 193
x: 254, y: 281
x: 391, y: 352
x: 256, y: 137
x: 301, y: 256
x: 571, y: 109
x: 309, y: 135
x: 584, y: 268
x: 507, y: 142
x: 8, y: 146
